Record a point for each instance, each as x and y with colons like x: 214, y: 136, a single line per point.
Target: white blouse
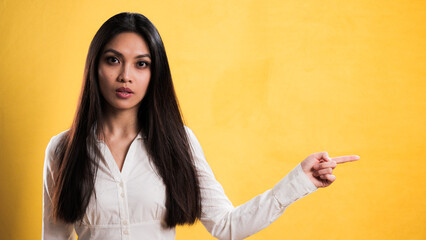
x: 131, y: 204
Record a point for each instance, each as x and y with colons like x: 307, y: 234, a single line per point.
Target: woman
x: 128, y: 168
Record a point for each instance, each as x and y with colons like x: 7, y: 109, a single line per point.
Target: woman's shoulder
x: 195, y: 144
x: 50, y: 152
x: 54, y: 141
x: 191, y: 136
x: 188, y: 130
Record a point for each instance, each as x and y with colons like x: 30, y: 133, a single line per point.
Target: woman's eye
x: 142, y: 64
x: 112, y: 60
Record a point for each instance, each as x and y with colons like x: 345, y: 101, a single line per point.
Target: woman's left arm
x: 224, y: 221
x: 52, y: 230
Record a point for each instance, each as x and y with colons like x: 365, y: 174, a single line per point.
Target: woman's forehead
x: 128, y: 43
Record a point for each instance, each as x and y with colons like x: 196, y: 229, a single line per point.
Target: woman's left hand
x: 319, y: 167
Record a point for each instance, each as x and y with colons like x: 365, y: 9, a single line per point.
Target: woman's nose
x: 125, y: 75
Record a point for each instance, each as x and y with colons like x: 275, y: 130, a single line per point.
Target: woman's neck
x: 120, y: 124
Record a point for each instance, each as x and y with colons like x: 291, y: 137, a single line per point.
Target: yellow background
x: 263, y: 84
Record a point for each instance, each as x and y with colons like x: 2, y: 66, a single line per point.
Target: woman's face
x: 124, y: 71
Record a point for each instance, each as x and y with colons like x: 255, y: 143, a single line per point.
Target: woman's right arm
x: 52, y: 230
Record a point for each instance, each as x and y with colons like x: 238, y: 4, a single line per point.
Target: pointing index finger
x: 343, y: 159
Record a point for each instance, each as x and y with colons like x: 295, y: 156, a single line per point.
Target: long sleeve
x: 224, y: 221
x: 51, y: 230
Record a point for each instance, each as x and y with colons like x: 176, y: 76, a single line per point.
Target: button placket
x: 123, y: 209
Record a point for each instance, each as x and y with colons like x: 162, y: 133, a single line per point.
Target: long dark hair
x: 159, y: 118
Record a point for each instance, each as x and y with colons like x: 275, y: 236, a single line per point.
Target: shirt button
x: 125, y: 222
x: 121, y: 184
x: 125, y: 232
x: 122, y: 195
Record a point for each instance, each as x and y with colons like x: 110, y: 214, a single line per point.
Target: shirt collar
x: 139, y: 136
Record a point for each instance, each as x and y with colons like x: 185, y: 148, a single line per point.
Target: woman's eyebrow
x: 121, y: 55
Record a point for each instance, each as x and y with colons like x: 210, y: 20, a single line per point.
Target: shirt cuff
x: 293, y: 187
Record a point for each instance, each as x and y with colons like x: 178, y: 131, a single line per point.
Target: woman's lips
x: 123, y: 92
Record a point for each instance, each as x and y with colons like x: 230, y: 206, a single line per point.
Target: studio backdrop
x: 262, y: 84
